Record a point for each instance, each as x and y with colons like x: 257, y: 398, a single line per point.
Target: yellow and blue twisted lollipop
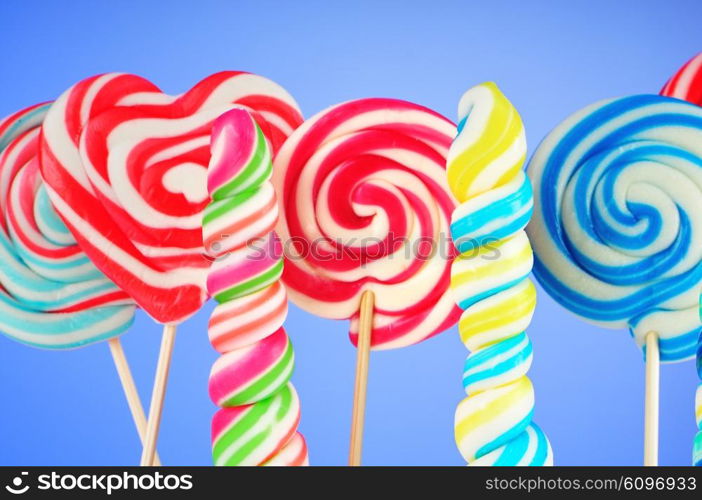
x: 490, y: 283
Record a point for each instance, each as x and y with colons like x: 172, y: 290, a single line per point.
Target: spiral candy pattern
x: 686, y: 84
x: 126, y: 167
x: 489, y: 280
x: 363, y: 204
x: 51, y: 296
x: 260, y: 413
x: 617, y: 230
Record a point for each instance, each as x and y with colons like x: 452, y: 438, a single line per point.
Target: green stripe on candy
x: 262, y: 387
x: 286, y: 401
x: 253, y: 174
x: 221, y: 208
x: 253, y: 285
x: 255, y: 414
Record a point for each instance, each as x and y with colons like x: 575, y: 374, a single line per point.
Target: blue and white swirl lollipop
x: 617, y: 226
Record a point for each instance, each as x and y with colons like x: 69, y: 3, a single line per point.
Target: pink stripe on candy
x: 234, y: 127
x: 242, y: 370
x: 225, y: 418
x: 243, y: 265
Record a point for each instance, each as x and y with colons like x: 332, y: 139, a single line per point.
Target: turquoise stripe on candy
x: 466, y: 302
x: 26, y: 121
x: 505, y: 437
x: 15, y: 317
x: 28, y: 296
x: 514, y: 451
x: 64, y: 264
x: 482, y: 360
x: 542, y: 447
x: 48, y: 214
x: 512, y: 208
x: 529, y: 448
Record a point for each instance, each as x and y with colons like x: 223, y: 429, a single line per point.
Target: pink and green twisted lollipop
x: 260, y: 410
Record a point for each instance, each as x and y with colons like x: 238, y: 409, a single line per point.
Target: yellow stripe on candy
x: 492, y: 282
x: 484, y: 415
x: 489, y: 321
x: 495, y: 149
x: 468, y: 269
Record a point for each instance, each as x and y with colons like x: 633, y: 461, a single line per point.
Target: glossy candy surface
x: 126, y: 167
x: 257, y: 424
x: 364, y: 205
x: 52, y: 296
x: 490, y: 281
x: 617, y: 227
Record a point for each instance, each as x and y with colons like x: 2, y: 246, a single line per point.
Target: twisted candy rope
x: 490, y: 282
x: 260, y: 413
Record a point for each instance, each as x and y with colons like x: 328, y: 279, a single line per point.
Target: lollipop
x: 52, y: 296
x: 125, y: 166
x: 363, y: 203
x: 617, y: 230
x: 137, y: 158
x: 257, y: 424
x: 490, y: 282
x: 686, y: 84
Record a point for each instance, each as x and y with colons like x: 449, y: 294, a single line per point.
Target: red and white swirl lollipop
x: 686, y: 84
x: 125, y: 167
x: 364, y: 212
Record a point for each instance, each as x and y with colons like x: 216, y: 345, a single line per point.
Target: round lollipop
x: 617, y: 230
x: 363, y: 206
x: 126, y: 166
x: 490, y: 281
x: 52, y: 296
x: 257, y: 424
x: 686, y: 84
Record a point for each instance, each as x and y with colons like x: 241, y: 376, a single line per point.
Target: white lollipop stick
x: 653, y: 366
x: 158, y: 394
x: 130, y: 390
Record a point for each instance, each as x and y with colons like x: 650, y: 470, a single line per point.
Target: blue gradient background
x: 550, y: 58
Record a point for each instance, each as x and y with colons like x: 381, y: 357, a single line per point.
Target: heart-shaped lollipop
x: 125, y: 167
